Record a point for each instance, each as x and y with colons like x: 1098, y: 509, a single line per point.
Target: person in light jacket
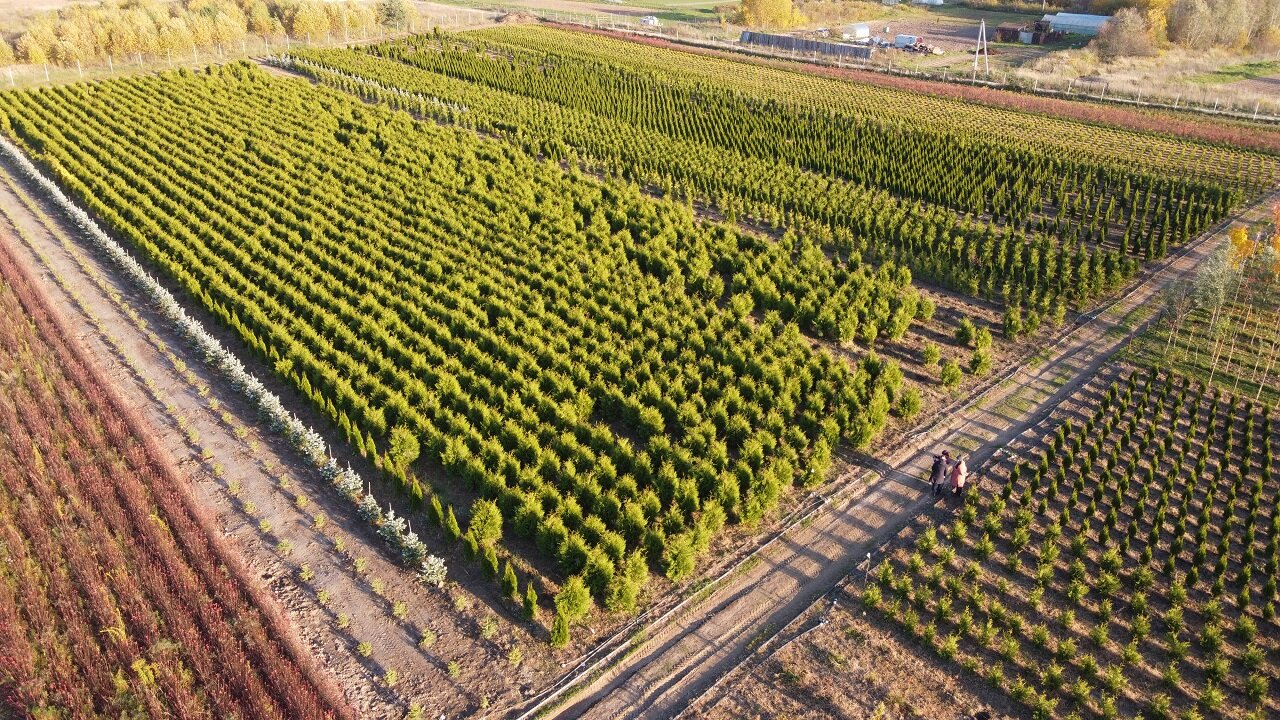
x: 959, y: 474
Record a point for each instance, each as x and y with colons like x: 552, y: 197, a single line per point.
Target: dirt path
x: 689, y: 658
x: 1269, y: 85
x: 335, y: 579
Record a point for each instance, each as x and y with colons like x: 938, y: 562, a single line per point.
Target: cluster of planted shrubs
x: 619, y: 422
x: 1129, y: 569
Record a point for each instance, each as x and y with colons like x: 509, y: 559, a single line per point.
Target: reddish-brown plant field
x: 116, y: 598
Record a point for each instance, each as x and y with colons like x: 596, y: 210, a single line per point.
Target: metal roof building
x: 1077, y: 23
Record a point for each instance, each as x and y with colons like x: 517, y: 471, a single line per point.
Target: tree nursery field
x: 590, y: 315
x: 1032, y: 224
x: 116, y: 598
x: 1129, y: 568
x: 1120, y: 564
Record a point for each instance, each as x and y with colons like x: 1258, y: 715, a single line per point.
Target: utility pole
x: 981, y: 49
x: 986, y: 54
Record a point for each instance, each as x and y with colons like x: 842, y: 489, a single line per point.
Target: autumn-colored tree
x: 361, y: 19
x: 1234, y: 22
x: 227, y: 30
x: 78, y: 37
x: 1267, y: 32
x: 351, y: 19
x: 175, y: 36
x: 1241, y: 285
x: 308, y: 20
x: 1157, y: 14
x: 1243, y: 247
x: 770, y: 14
x: 44, y: 31
x: 201, y: 27
x: 146, y: 28
x: 260, y: 21
x: 83, y: 33
x: 122, y: 39
x: 337, y: 14
x: 30, y: 50
x: 1126, y: 35
x: 1226, y: 23
x: 67, y: 53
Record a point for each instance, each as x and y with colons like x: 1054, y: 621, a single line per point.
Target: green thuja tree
x: 559, y: 631
x: 404, y: 448
x: 530, y: 602
x: 451, y: 529
x: 510, y: 585
x: 486, y: 522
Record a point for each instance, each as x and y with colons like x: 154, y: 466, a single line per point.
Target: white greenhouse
x: 1077, y: 23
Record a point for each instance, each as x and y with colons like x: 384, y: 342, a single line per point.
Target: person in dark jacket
x: 941, y: 469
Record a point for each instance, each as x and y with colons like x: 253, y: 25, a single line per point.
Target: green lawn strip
x: 1238, y: 72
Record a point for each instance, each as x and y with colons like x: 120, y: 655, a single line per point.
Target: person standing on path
x: 938, y: 474
x: 959, y: 474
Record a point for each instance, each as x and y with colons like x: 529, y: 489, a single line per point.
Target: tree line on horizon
x: 113, y: 30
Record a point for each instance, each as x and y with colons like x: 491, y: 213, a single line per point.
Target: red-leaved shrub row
x: 1212, y: 130
x: 116, y: 595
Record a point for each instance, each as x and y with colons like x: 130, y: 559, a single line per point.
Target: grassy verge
x: 1238, y: 72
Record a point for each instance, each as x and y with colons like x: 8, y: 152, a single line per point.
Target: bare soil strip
x: 691, y: 659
